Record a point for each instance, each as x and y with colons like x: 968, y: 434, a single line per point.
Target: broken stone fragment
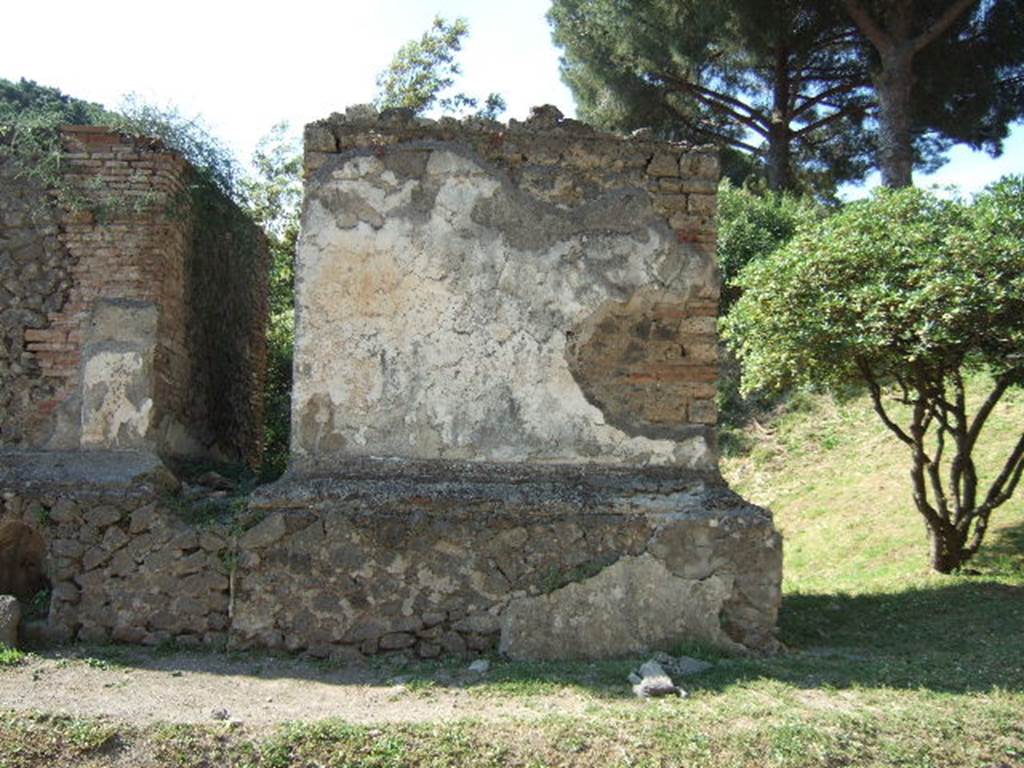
x: 681, y: 666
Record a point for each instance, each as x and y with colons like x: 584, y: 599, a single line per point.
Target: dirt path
x: 140, y: 687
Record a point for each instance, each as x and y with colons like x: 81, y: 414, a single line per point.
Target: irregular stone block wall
x: 535, y: 293
x: 126, y: 562
x: 438, y: 558
x: 570, y: 562
x: 129, y: 319
x: 35, y: 276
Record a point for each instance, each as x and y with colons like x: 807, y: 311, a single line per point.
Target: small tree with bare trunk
x: 905, y: 294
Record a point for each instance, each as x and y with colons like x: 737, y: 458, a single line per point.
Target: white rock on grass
x: 480, y: 666
x: 653, y: 682
x: 681, y: 666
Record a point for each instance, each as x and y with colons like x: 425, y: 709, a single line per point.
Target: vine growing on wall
x: 31, y: 117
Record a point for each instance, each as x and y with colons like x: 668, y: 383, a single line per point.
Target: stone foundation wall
x: 130, y: 319
x: 554, y: 563
x: 126, y: 561
x: 565, y: 562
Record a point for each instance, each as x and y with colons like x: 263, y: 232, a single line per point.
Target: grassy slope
x: 838, y: 483
x: 890, y: 665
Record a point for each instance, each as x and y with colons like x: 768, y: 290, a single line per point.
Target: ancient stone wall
x: 539, y: 292
x: 126, y: 560
x: 34, y: 282
x: 577, y: 563
x: 226, y: 305
x: 503, y: 438
x: 437, y: 558
x: 503, y: 413
x: 130, y: 317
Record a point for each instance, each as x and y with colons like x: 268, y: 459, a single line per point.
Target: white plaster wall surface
x: 433, y: 307
x: 113, y: 415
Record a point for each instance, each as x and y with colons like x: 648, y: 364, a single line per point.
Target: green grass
x: 888, y: 663
x: 10, y: 657
x: 838, y: 484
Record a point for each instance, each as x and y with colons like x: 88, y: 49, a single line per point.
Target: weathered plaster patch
x: 116, y: 410
x: 441, y: 333
x: 632, y: 606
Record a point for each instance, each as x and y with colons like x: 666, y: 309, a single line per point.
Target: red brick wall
x: 129, y: 232
x: 122, y: 243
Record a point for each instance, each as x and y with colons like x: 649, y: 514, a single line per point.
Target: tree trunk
x: 780, y: 171
x: 780, y: 176
x: 947, y: 548
x: 894, y: 84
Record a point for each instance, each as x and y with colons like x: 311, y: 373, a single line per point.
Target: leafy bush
x: 751, y: 225
x: 902, y: 294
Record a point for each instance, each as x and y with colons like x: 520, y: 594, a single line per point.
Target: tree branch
x: 922, y: 464
x: 1004, y: 485
x: 713, y: 134
x: 876, y: 399
x: 963, y: 497
x: 725, y: 98
x: 872, y: 31
x: 811, y: 101
x: 941, y: 24
x: 754, y: 120
x: 1002, y: 383
x: 824, y: 121
x: 934, y: 475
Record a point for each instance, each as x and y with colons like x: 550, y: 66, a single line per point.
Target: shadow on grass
x: 1003, y: 552
x: 967, y: 636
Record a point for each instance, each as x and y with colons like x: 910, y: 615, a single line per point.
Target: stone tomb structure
x: 132, y: 337
x: 503, y: 411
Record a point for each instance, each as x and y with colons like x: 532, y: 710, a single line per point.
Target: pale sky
x: 246, y: 66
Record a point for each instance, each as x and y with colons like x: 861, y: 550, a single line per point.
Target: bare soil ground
x: 139, y: 687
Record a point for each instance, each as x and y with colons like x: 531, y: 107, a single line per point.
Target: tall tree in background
x: 422, y: 73
x: 947, y: 70
x: 781, y: 80
x: 274, y: 195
